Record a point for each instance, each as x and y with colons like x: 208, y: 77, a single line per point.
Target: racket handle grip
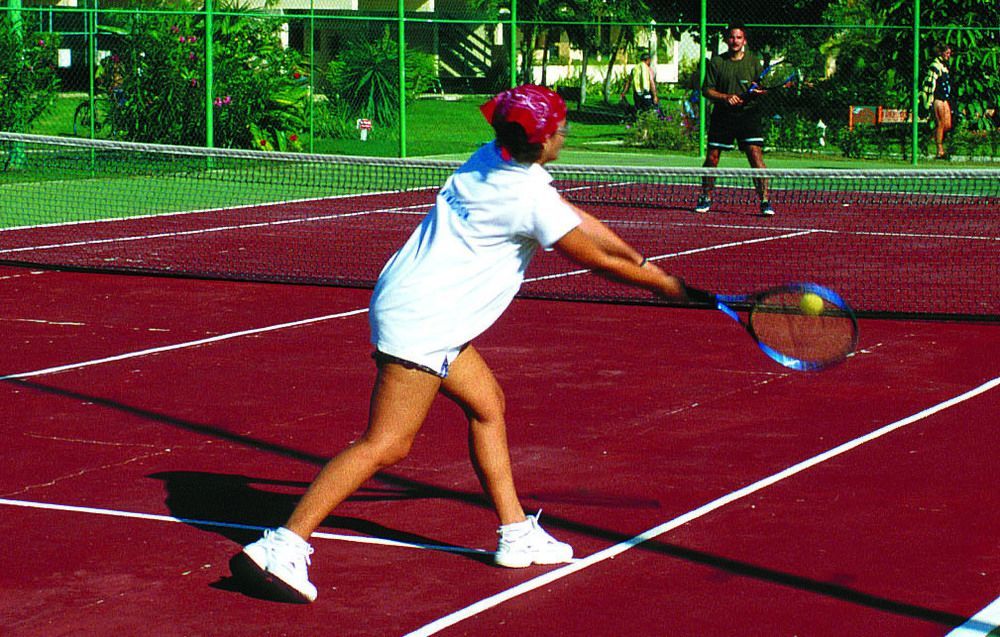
x: 699, y: 296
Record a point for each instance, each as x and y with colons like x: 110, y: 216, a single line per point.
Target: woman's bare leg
x: 472, y: 385
x: 399, y: 404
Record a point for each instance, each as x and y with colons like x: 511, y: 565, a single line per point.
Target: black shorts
x: 381, y: 358
x: 643, y: 101
x: 729, y: 128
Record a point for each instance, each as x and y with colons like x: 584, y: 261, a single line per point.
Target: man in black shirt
x: 735, y: 115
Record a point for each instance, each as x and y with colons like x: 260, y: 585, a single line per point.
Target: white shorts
x: 436, y: 363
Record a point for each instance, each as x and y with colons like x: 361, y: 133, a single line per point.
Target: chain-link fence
x: 406, y: 78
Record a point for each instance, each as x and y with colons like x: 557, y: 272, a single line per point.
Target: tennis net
x: 899, y: 242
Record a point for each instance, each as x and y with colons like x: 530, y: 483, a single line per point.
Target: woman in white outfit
x: 446, y: 285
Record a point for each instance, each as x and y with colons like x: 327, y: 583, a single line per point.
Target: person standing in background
x: 735, y: 117
x: 937, y: 92
x: 643, y: 82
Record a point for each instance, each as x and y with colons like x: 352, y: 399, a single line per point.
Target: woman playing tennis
x: 451, y: 281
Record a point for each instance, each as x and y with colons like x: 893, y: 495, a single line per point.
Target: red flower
x: 263, y: 142
x: 293, y: 137
x: 296, y: 75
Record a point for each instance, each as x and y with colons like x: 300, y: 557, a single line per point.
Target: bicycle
x: 104, y: 116
x: 7, y: 153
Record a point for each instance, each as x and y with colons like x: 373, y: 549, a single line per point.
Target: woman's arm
x: 594, y: 245
x: 604, y: 236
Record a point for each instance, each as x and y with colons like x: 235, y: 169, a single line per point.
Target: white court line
x: 359, y: 539
x: 610, y: 552
x: 988, y: 614
x: 222, y: 337
x: 981, y: 624
x: 167, y: 348
x: 856, y: 233
x: 215, y: 211
x: 182, y: 233
x: 659, y: 257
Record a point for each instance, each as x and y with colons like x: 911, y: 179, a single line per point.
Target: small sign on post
x: 364, y: 125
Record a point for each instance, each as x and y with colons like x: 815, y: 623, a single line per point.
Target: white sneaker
x: 277, y: 564
x: 525, y: 543
x: 704, y: 204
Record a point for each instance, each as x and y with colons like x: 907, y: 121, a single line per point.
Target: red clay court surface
x: 147, y: 422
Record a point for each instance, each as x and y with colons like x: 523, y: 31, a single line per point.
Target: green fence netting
x: 406, y: 77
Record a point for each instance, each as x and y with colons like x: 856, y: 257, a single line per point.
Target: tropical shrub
x: 364, y: 80
x: 260, y: 89
x: 670, y: 131
x: 27, y: 74
x: 796, y: 132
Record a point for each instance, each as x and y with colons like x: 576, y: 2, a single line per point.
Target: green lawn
x: 452, y: 128
x: 58, y: 120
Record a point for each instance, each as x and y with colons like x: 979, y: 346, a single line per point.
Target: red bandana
x: 537, y: 109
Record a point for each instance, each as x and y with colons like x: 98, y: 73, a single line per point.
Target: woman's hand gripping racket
x: 803, y: 326
x: 774, y: 76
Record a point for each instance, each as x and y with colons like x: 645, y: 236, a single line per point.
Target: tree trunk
x: 611, y: 64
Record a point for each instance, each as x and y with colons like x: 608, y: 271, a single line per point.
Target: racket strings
x: 779, y: 321
x: 778, y: 76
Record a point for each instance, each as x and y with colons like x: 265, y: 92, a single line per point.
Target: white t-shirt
x: 462, y: 266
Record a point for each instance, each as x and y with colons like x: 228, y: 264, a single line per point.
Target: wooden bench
x: 891, y: 126
x: 876, y: 116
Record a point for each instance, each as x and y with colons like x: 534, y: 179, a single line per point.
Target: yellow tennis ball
x: 811, y: 304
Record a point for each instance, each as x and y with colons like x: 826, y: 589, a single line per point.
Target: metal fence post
x: 513, y: 43
x: 17, y: 153
x: 209, y: 74
x: 915, y: 93
x: 312, y: 76
x: 702, y: 107
x: 402, y: 78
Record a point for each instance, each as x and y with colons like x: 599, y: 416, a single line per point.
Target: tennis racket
x: 803, y: 326
x: 776, y: 75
